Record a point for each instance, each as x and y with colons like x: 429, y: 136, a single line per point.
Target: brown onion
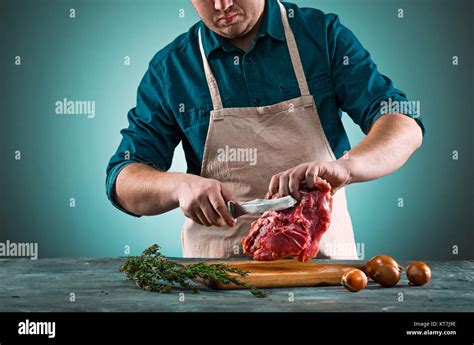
x: 418, y: 273
x: 377, y: 261
x: 387, y: 275
x: 354, y: 280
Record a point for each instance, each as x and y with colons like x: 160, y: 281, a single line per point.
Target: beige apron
x: 245, y: 147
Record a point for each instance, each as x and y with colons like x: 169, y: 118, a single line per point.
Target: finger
x: 283, y: 184
x: 274, y: 184
x: 223, y: 211
x: 296, y: 176
x: 194, y: 218
x: 202, y: 218
x: 310, y: 177
x: 211, y: 215
x: 324, y: 176
x: 223, y: 214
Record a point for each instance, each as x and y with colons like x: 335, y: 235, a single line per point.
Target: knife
x: 238, y: 209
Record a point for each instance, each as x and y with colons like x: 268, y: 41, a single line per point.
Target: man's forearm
x: 391, y: 141
x: 144, y: 190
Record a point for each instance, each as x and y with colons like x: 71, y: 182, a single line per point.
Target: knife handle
x: 231, y: 208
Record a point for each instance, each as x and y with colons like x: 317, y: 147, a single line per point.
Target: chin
x: 233, y: 31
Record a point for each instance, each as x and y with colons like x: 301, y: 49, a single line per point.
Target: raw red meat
x: 292, y: 232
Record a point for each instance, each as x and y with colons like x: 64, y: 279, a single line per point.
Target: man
x: 256, y: 77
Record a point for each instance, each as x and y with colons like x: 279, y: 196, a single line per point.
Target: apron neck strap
x: 211, y: 81
x: 294, y: 55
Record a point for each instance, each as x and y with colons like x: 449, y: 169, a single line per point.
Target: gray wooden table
x: 48, y: 284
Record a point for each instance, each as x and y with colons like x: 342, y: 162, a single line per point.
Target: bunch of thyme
x: 153, y: 272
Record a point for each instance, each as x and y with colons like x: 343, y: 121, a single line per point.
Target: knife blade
x: 238, y: 209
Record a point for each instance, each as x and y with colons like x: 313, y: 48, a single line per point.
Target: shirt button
x: 257, y: 101
x: 249, y: 59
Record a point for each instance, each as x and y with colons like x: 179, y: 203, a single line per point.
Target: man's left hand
x: 314, y: 174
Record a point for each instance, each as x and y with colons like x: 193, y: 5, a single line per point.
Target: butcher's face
x: 229, y: 18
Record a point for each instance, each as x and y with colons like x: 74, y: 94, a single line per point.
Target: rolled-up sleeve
x: 361, y: 89
x: 152, y: 133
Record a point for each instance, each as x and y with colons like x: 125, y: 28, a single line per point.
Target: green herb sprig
x: 153, y: 272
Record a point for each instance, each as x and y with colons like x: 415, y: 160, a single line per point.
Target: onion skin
x: 387, y: 275
x: 418, y: 273
x: 354, y: 280
x: 378, y: 261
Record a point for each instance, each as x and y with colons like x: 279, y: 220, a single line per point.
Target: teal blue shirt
x: 173, y: 101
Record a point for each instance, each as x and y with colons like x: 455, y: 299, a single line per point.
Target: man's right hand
x: 204, y: 201
x: 144, y: 190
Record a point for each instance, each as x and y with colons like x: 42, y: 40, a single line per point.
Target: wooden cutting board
x: 285, y: 273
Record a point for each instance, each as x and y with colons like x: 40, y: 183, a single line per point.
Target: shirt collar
x: 271, y: 25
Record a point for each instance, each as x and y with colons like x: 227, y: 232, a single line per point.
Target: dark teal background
x: 65, y: 157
